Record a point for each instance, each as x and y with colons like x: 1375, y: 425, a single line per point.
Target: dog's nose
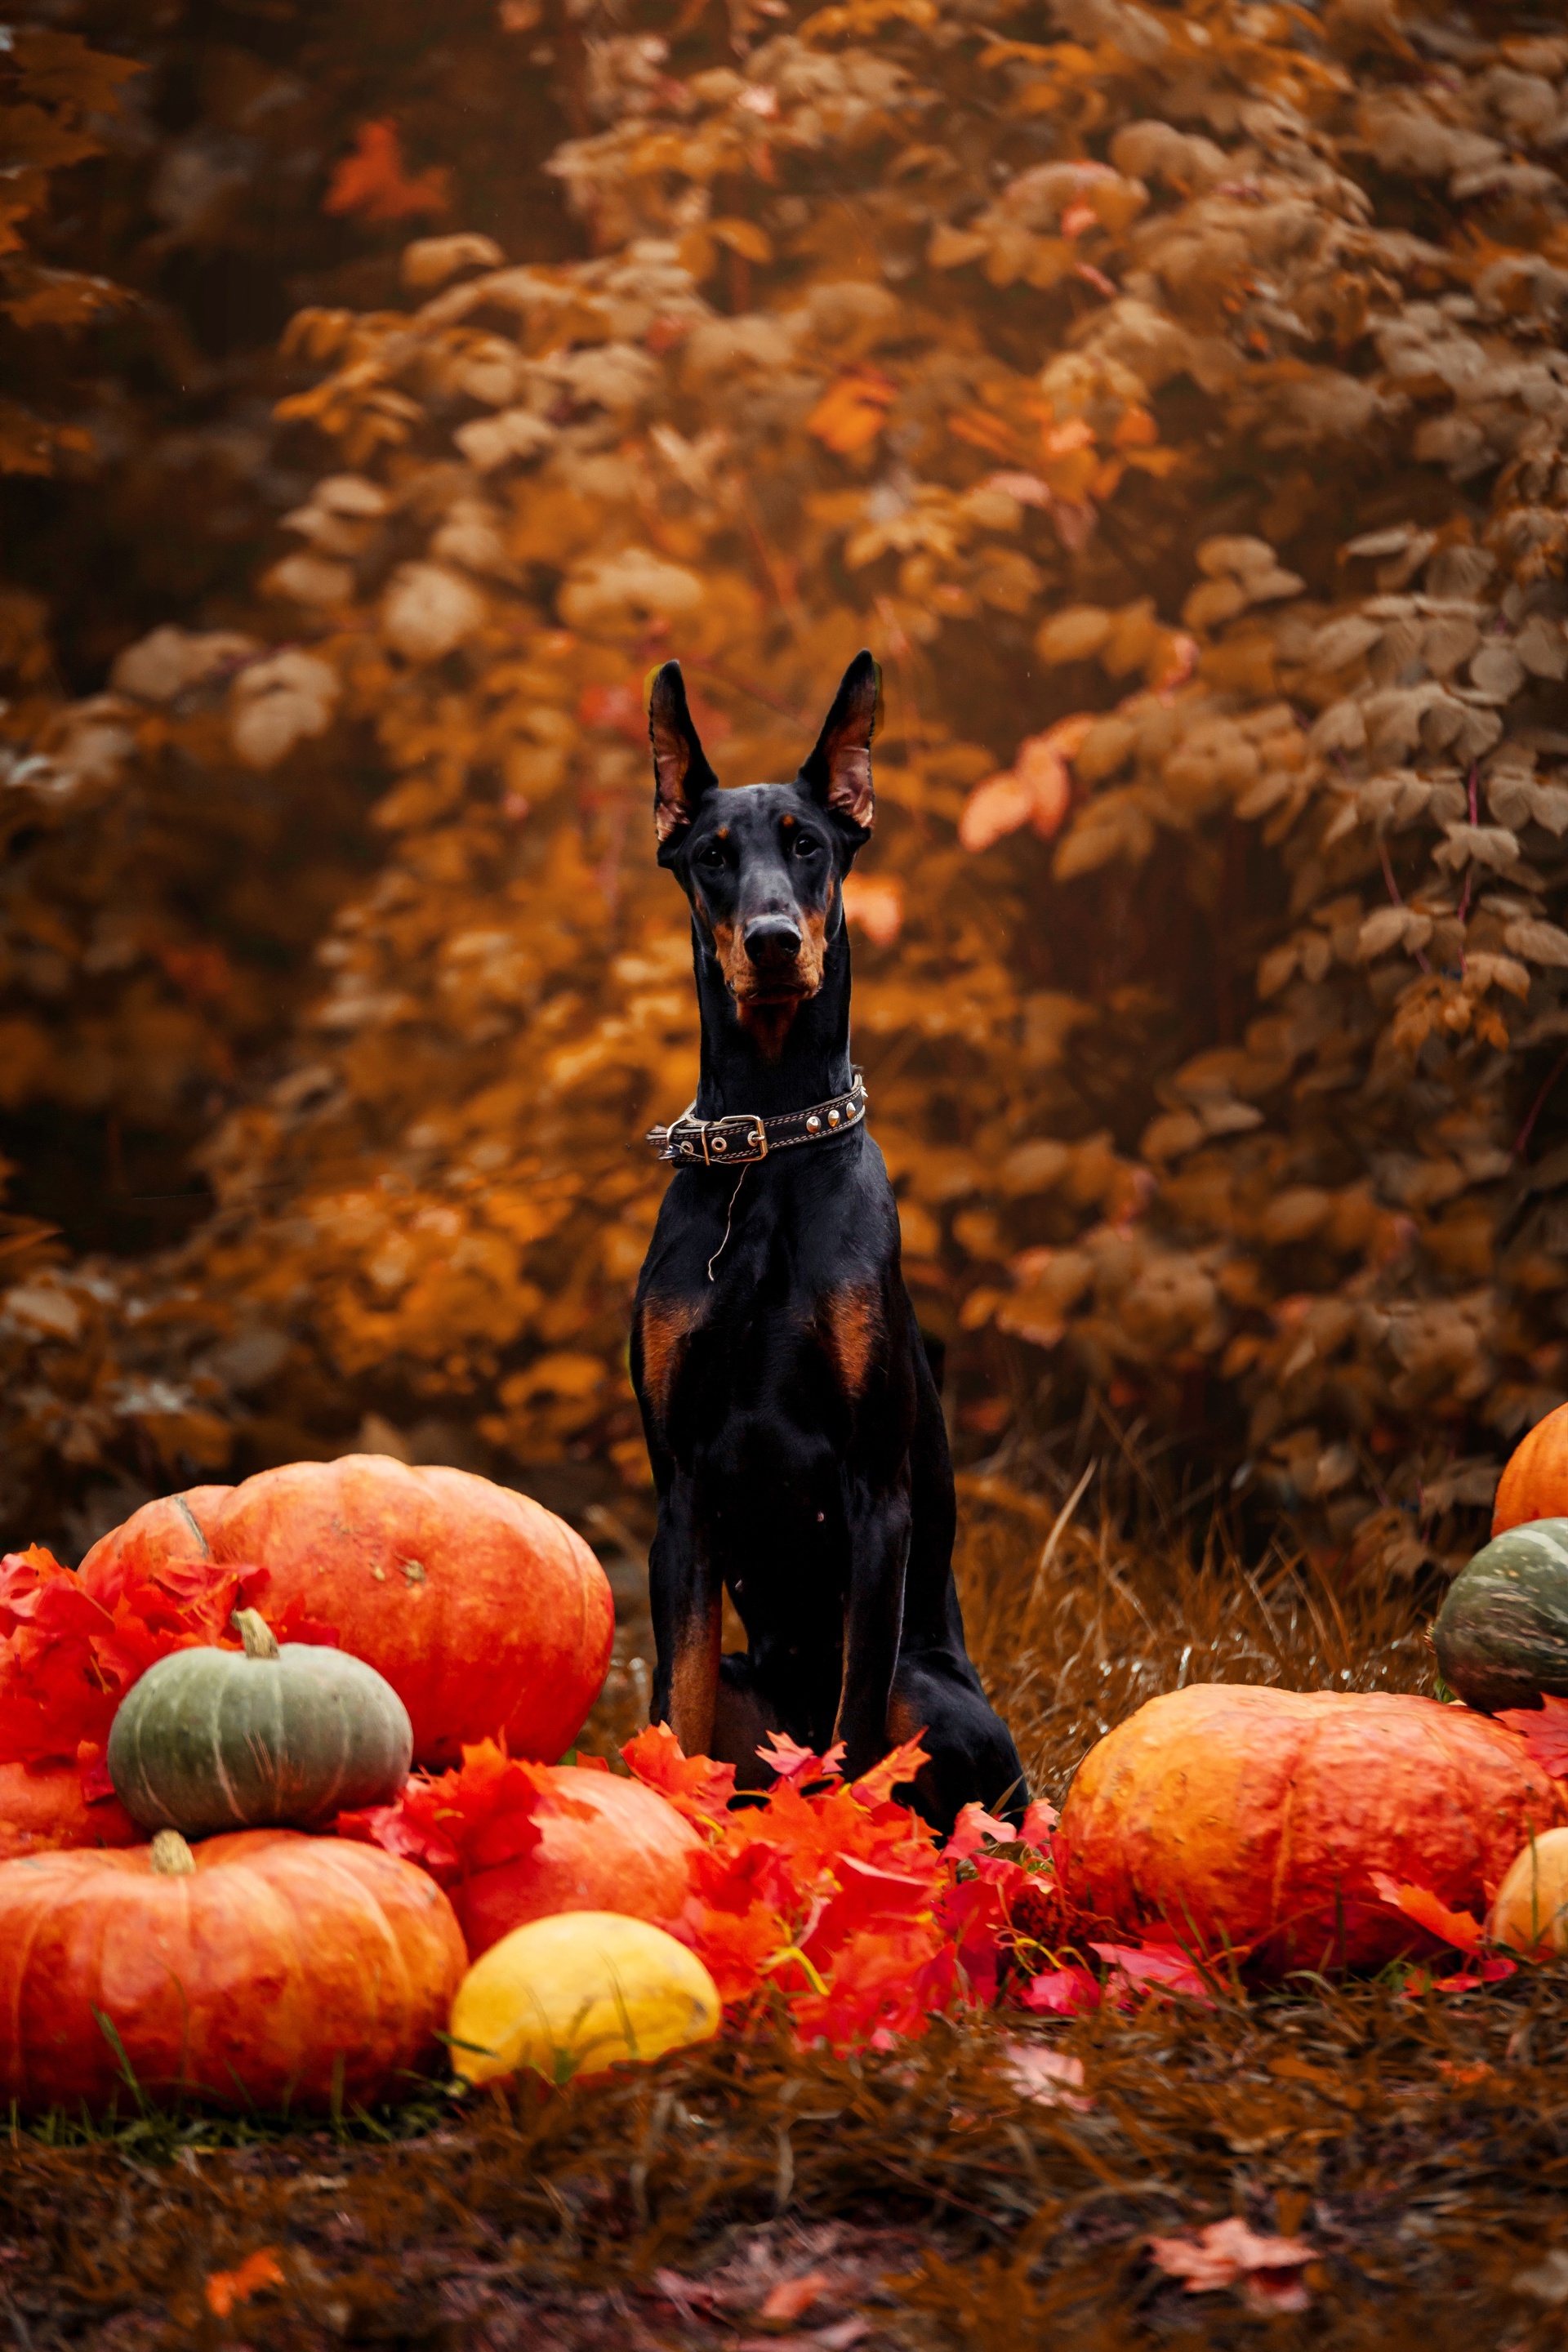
x: 773, y: 943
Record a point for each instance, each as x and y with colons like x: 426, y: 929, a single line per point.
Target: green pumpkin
x: 262, y: 1737
x: 1501, y: 1635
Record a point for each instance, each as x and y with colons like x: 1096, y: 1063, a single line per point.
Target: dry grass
x: 1422, y: 2146
x: 1075, y: 1618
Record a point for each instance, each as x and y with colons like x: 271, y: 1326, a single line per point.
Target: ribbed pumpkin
x: 266, y: 1967
x: 1535, y: 1484
x: 486, y: 1614
x: 577, y: 1995
x: 1256, y: 1817
x: 42, y: 1813
x: 628, y: 1854
x: 268, y: 1736
x: 1501, y: 1635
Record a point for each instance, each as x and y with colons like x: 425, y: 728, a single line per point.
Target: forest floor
x: 936, y: 2199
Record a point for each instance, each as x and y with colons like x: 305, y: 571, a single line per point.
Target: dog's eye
x: 805, y: 847
x: 710, y: 854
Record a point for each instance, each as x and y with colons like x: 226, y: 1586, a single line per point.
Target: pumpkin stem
x: 171, y: 1857
x: 256, y: 1633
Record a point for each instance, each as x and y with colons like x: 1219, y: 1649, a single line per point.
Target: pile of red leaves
x: 67, y: 1660
x: 822, y: 1898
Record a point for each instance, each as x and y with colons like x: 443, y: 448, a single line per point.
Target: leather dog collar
x: 743, y: 1137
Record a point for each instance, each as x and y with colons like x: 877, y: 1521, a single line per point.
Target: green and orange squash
x: 1501, y: 1635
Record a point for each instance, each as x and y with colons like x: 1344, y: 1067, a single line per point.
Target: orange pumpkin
x: 625, y: 1852
x: 267, y: 1966
x: 488, y: 1616
x: 1535, y: 1484
x: 42, y: 1811
x: 1251, y: 1817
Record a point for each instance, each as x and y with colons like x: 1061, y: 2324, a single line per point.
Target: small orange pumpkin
x: 624, y: 1852
x: 1535, y: 1484
x: 266, y: 1966
x: 1256, y: 1817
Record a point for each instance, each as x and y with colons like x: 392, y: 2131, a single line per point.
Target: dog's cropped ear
x: 681, y: 775
x: 838, y: 771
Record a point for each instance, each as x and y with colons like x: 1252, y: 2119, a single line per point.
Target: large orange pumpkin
x: 1535, y: 1484
x: 269, y: 1967
x: 42, y: 1811
x: 486, y: 1614
x: 628, y: 1854
x: 1253, y: 1816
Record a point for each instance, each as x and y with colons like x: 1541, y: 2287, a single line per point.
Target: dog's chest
x: 807, y: 1360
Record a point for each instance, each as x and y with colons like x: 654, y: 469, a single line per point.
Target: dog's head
x: 764, y: 865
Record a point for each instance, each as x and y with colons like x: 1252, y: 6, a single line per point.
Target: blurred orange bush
x: 1172, y: 398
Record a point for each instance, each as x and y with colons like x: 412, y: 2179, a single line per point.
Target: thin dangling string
x: 729, y: 1213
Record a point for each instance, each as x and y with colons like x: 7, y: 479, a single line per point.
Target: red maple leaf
x: 453, y: 1824
x: 1457, y: 1929
x: 1061, y: 1992
x: 1491, y: 1970
x: 1039, y: 1820
x: 977, y: 1914
x: 1544, y: 1730
x: 885, y: 1988
x: 974, y: 1828
x: 866, y: 1896
x: 694, y: 1785
x: 67, y: 1660
x: 799, y: 1765
x: 1135, y: 1970
x: 896, y: 1770
x: 735, y: 1945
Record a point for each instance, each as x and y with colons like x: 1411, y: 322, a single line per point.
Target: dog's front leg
x: 873, y: 1621
x: 687, y: 1602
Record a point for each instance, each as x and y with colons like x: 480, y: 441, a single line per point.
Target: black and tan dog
x: 794, y: 1425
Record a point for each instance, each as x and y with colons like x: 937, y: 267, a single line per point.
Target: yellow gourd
x: 577, y: 1993
x: 1530, y: 1912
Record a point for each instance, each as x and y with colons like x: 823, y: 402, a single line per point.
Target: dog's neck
x: 737, y: 1074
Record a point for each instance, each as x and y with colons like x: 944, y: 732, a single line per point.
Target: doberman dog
x: 793, y: 1423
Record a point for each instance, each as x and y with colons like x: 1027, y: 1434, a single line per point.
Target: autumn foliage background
x: 1171, y: 397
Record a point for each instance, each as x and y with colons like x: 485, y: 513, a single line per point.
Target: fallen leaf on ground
x: 225, y: 2288
x: 1461, y: 2077
x: 1548, y: 2279
x: 1051, y: 2077
x: 1227, y: 2254
x: 1157, y: 1972
x: 1061, y: 1992
x: 792, y: 2298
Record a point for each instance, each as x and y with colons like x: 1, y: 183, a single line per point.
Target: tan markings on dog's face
x: 694, y: 1681
x: 766, y: 1009
x: 850, y: 1320
x: 667, y: 1325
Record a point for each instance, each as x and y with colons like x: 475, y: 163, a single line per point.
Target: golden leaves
x: 853, y: 410
x: 1236, y: 1111
x: 1036, y: 790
